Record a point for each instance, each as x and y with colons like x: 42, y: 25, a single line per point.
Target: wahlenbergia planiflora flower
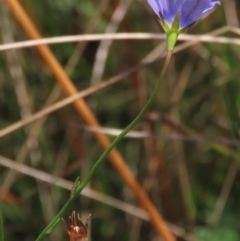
x: 176, y: 15
x: 189, y: 10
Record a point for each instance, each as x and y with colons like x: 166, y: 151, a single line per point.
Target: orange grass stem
x: 86, y: 114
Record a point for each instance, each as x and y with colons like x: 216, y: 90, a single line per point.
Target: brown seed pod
x: 76, y: 232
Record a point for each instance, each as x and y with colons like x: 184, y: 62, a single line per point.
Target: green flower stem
x: 78, y: 190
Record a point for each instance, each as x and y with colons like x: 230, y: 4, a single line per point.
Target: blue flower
x: 189, y: 10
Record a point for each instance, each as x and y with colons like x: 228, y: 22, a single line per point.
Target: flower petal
x: 170, y: 8
x: 192, y: 10
x: 154, y: 4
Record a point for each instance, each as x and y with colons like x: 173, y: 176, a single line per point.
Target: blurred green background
x: 189, y: 162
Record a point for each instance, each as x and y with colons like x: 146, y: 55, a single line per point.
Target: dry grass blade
x: 121, y: 36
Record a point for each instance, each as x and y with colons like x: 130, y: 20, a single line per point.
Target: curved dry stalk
x: 224, y: 194
x: 104, y: 46
x: 121, y: 36
x: 174, y: 136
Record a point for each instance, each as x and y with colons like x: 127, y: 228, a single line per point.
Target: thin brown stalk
x: 224, y: 193
x: 177, y: 145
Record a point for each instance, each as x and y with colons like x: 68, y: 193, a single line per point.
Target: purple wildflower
x: 189, y: 10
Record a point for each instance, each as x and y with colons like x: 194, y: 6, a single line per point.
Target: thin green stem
x: 52, y: 224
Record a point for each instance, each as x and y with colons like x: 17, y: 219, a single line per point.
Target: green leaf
x: 217, y: 234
